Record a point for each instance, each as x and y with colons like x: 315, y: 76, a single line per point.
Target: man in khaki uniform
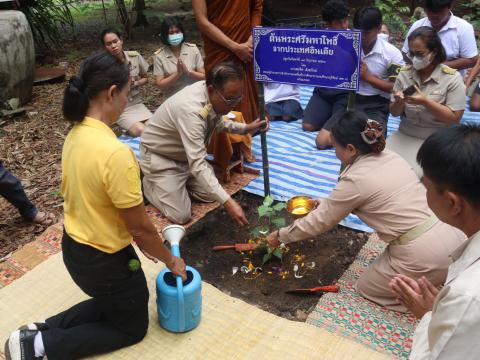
x: 135, y: 112
x: 443, y: 87
x: 173, y: 147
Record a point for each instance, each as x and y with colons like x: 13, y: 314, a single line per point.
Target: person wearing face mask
x: 173, y: 146
x: 456, y: 34
x: 384, y: 33
x: 381, y: 188
x: 427, y: 95
x: 379, y: 66
x: 136, y: 113
x: 177, y: 63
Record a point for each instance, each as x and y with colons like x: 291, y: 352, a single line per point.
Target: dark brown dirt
x: 331, y: 252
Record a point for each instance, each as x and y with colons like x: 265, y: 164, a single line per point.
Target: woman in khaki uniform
x: 435, y: 97
x: 136, y: 113
x: 382, y: 189
x: 177, y: 63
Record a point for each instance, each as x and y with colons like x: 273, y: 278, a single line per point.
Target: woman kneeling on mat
x: 103, y: 213
x: 381, y: 188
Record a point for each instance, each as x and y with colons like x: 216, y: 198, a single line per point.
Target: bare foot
x: 44, y: 218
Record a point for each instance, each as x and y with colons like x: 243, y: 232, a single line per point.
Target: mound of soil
x: 321, y: 261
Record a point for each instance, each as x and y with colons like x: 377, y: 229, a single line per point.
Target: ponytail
x: 75, y: 103
x: 97, y: 73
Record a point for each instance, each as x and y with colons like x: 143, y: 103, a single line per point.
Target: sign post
x: 321, y: 58
x: 263, y: 141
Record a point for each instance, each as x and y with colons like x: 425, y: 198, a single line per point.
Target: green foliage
x: 48, y: 18
x: 392, y: 11
x: 74, y: 55
x: 86, y: 10
x: 56, y: 193
x: 279, y: 222
x: 271, y: 252
x: 268, y: 220
x: 473, y: 15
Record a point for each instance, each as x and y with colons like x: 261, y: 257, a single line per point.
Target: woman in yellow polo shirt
x: 104, y: 212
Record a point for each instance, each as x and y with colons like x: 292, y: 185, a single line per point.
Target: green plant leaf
x: 266, y: 258
x: 264, y: 230
x: 279, y: 206
x: 255, y: 233
x: 264, y: 210
x: 279, y: 222
x: 268, y: 201
x: 278, y: 252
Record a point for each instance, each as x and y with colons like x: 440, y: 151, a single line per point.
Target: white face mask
x: 175, y: 39
x: 420, y: 63
x: 383, y: 36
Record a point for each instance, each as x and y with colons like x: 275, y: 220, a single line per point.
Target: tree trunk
x: 141, y: 18
x: 412, y: 7
x: 123, y: 13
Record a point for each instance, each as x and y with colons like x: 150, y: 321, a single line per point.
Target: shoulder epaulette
x: 190, y: 44
x: 448, y: 70
x: 406, y: 67
x: 133, y: 53
x: 159, y: 50
x: 205, y: 111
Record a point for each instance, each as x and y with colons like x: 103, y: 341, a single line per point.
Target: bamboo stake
x: 351, y: 101
x: 263, y: 139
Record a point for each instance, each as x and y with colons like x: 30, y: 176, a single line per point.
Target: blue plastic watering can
x: 179, y: 303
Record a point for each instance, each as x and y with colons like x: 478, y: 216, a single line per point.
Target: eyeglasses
x: 230, y: 102
x: 411, y: 55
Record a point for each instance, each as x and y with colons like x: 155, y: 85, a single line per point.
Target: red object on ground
x: 327, y: 288
x: 44, y: 74
x: 237, y: 247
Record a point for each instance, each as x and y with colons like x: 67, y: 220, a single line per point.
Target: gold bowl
x: 300, y: 205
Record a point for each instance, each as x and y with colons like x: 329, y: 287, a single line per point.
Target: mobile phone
x: 409, y: 90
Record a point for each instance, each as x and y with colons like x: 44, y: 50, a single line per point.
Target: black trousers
x: 325, y: 107
x: 376, y: 107
x: 11, y: 189
x: 117, y: 313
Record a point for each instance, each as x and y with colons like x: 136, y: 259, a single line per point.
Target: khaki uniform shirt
x: 451, y: 330
x: 165, y: 64
x: 181, y: 129
x: 381, y: 189
x: 138, y: 68
x: 445, y: 86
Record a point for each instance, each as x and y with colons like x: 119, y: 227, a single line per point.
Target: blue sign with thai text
x: 323, y: 58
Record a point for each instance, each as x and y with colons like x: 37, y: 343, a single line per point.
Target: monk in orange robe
x: 226, y: 27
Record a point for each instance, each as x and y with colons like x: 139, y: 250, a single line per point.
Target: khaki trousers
x: 168, y: 185
x: 427, y: 255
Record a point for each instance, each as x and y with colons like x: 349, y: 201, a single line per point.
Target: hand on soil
x: 177, y: 267
x: 235, y: 211
x: 272, y: 240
